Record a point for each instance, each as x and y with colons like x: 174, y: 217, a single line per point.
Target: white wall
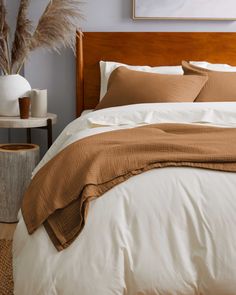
x: 115, y: 15
x: 57, y: 72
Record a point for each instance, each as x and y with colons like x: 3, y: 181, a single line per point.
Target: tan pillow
x: 127, y: 86
x: 221, y: 86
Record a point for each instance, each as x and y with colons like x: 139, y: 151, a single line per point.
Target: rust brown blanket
x: 59, y: 194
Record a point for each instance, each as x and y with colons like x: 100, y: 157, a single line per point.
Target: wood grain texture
x: 16, y: 166
x: 80, y: 75
x: 144, y: 48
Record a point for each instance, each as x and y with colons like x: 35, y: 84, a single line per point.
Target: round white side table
x: 28, y: 124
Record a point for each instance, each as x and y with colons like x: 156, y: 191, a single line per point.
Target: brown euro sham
x: 220, y: 86
x: 127, y: 87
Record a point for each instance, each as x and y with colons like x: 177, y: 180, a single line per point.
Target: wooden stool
x: 17, y: 162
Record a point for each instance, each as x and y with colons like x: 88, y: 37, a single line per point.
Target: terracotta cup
x: 24, y: 105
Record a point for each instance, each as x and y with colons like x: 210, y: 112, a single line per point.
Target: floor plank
x: 7, y: 230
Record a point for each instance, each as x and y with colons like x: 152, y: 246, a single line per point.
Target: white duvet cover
x: 166, y: 231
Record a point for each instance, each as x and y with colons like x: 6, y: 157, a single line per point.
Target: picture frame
x: 184, y: 10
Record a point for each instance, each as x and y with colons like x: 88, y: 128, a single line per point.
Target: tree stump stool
x: 17, y: 162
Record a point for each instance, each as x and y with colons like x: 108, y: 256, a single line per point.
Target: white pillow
x: 214, y: 67
x: 107, y: 67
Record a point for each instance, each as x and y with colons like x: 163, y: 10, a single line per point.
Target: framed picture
x: 185, y: 9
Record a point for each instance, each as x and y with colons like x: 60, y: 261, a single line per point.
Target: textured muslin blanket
x: 60, y: 192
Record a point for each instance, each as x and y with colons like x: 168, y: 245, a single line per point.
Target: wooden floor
x: 7, y: 231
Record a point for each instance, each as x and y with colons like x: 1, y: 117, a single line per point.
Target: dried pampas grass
x: 4, y: 35
x: 20, y: 47
x: 56, y: 29
x: 57, y: 26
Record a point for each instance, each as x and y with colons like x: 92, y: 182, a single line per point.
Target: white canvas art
x: 185, y: 9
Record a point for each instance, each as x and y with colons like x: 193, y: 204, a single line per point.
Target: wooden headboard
x: 136, y: 48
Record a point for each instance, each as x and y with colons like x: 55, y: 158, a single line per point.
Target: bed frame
x: 136, y: 48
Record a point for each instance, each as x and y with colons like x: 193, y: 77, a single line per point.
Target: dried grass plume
x: 57, y: 26
x: 20, y: 47
x: 56, y: 29
x: 4, y: 37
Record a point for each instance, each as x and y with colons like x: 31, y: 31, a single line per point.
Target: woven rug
x: 6, y: 278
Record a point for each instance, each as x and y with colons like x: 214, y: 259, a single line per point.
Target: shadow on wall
x: 126, y: 9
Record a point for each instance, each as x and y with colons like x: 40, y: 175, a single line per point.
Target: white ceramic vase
x: 11, y: 88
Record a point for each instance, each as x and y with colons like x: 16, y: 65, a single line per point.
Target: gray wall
x: 57, y: 72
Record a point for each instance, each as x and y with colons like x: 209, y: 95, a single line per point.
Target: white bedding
x: 166, y: 231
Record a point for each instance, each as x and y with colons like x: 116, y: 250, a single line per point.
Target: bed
x: 164, y: 231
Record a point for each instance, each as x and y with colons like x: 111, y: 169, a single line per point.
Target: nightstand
x: 31, y: 123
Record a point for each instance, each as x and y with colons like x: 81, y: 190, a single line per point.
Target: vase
x: 11, y: 88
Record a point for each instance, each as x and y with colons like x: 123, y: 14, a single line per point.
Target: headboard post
x: 80, y: 75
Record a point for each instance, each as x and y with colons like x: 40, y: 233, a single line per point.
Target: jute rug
x: 6, y: 278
